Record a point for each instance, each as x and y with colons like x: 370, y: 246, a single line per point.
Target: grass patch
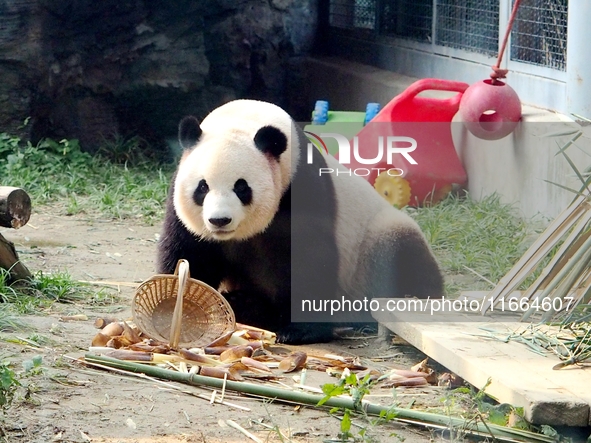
x: 8, y: 322
x: 60, y: 174
x: 41, y: 292
x: 474, y: 241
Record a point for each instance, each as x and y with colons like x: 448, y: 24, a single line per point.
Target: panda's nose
x: 220, y: 222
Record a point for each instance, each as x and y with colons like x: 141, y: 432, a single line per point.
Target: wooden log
x: 15, y: 207
x: 9, y: 260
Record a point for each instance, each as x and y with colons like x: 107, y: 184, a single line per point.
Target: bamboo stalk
x: 557, y: 263
x: 578, y: 260
x: 273, y: 392
x: 144, y: 376
x: 581, y: 238
x: 536, y: 252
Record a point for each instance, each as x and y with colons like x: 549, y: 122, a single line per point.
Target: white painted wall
x: 520, y: 166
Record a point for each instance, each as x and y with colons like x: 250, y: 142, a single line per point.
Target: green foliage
x: 33, y: 366
x: 8, y: 386
x: 125, y: 150
x: 11, y: 381
x: 60, y: 173
x: 59, y: 287
x: 346, y: 426
x: 349, y: 384
x: 6, y: 289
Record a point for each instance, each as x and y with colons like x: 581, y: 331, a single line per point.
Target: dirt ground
x: 69, y: 402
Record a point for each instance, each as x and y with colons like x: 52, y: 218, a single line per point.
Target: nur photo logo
x: 362, y: 160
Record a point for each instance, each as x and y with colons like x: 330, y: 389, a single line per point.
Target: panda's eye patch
x: 200, y: 192
x: 243, y: 191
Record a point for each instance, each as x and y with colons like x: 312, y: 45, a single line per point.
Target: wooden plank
x: 518, y: 376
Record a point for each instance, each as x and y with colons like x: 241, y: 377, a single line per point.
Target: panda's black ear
x: 271, y: 140
x: 189, y: 132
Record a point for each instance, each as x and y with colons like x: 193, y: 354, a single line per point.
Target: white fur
x: 225, y: 153
x: 243, y: 118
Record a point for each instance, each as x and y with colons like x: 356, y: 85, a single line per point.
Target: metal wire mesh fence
x: 539, y: 33
x: 353, y: 14
x: 407, y: 18
x: 468, y: 24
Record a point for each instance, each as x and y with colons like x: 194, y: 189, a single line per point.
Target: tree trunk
x: 9, y: 260
x: 15, y: 207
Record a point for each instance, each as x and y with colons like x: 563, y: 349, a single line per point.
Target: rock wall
x: 95, y: 70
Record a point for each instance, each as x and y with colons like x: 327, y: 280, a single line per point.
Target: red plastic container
x: 426, y: 120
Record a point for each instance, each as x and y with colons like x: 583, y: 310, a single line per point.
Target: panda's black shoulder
x: 176, y: 241
x: 310, y: 189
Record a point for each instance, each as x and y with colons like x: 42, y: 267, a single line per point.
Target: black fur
x: 265, y: 281
x: 404, y: 266
x: 189, y: 132
x: 270, y: 140
x: 200, y: 192
x: 243, y: 191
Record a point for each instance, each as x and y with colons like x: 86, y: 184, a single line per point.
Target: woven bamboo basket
x: 180, y: 310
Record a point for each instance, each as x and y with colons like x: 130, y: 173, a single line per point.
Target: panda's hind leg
x: 400, y: 263
x: 306, y: 333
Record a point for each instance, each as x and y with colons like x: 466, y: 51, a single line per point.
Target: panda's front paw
x: 305, y: 333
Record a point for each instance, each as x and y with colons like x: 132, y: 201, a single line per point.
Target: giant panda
x: 249, y: 210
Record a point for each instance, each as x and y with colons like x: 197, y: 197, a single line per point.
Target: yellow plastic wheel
x: 395, y: 190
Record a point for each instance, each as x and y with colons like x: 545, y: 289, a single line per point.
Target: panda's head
x: 236, y: 166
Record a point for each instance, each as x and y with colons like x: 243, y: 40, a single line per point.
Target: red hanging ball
x: 490, y: 109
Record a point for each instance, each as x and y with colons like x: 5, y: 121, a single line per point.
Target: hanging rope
x: 499, y: 73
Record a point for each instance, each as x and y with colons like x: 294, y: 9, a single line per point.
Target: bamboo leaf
x: 331, y: 390
x: 573, y: 167
x: 561, y: 133
x: 569, y: 143
x: 585, y: 185
x: 346, y: 422
x: 574, y: 191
